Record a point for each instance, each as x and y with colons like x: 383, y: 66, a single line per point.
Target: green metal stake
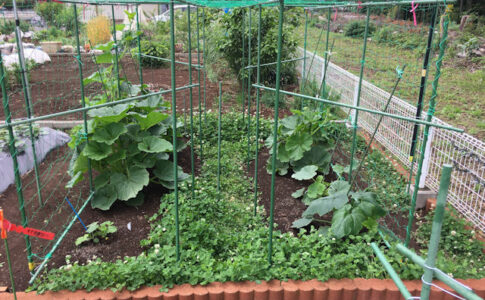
x: 10, y: 271
x: 219, y: 143
x: 354, y: 121
x: 191, y: 101
x: 275, y: 129
x: 322, y: 87
x: 83, y: 100
x: 13, y: 152
x: 429, y: 118
x: 201, y: 132
x: 204, y: 57
x: 303, y: 71
x: 436, y: 231
x: 139, y: 44
x: 258, y: 79
x: 174, y: 130
x: 242, y: 65
x: 116, y: 51
x: 27, y: 97
x: 394, y: 276
x: 249, y: 89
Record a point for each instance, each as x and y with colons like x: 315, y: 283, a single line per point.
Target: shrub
x: 98, y: 31
x: 49, y: 11
x: 384, y: 35
x: 7, y: 26
x: 231, y: 43
x: 356, y: 29
x: 154, y: 48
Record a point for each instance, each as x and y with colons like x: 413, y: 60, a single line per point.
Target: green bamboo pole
x: 219, y: 119
x: 364, y: 155
x: 303, y: 71
x: 249, y: 89
x: 242, y: 64
x: 204, y: 58
x: 274, y: 63
x: 116, y: 51
x: 377, y: 112
x: 191, y: 103
x: 429, y: 118
x: 422, y: 90
x: 10, y: 270
x: 392, y: 273
x: 174, y: 130
x: 275, y: 129
x: 258, y: 79
x: 455, y: 285
x: 81, y: 109
x: 27, y: 98
x: 322, y: 87
x: 356, y: 117
x: 201, y: 132
x: 139, y: 43
x: 83, y: 99
x: 436, y: 231
x: 13, y: 153
x: 59, y: 240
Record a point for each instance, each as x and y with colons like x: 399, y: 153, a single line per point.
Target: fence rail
x: 464, y: 152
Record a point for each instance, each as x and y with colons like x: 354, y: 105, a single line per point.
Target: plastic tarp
x: 36, y: 55
x: 46, y: 142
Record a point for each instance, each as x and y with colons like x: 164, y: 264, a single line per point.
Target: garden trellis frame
x: 10, y: 124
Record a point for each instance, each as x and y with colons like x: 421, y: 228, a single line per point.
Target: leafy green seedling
x: 97, y: 232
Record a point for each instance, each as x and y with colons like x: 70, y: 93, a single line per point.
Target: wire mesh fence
x: 464, y: 152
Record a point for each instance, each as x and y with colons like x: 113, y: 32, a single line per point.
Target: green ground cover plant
x: 222, y: 240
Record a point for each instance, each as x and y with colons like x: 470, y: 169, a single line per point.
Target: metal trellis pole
x: 139, y: 44
x: 249, y: 89
x: 201, y: 132
x: 355, y: 119
x: 115, y: 46
x: 191, y: 102
x: 258, y: 78
x: 275, y: 129
x: 174, y: 130
x: 219, y: 119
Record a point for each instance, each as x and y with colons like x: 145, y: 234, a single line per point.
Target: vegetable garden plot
x: 132, y: 136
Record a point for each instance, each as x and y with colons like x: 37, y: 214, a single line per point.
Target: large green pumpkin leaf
x: 147, y: 121
x: 165, y: 172
x: 305, y: 173
x: 152, y: 144
x: 347, y: 220
x: 104, y: 197
x: 322, y: 206
x: 282, y: 154
x: 110, y: 114
x: 151, y: 102
x: 339, y: 186
x: 281, y: 167
x: 128, y: 186
x: 102, y: 179
x: 298, y: 144
x: 301, y: 222
x: 97, y: 151
x: 318, y: 155
x: 298, y: 193
x: 109, y: 134
x: 317, y: 188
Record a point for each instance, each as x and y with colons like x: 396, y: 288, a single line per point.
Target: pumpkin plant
x: 128, y: 144
x: 305, y: 142
x: 351, y: 210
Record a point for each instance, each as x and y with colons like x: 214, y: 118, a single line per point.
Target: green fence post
x: 204, y: 57
x: 27, y: 98
x: 258, y: 78
x: 303, y: 71
x: 249, y: 89
x: 13, y: 152
x: 243, y: 87
x: 275, y: 129
x: 322, y: 87
x: 83, y: 100
x: 139, y: 44
x: 10, y: 272
x: 201, y: 132
x: 219, y: 119
x: 116, y: 51
x: 356, y: 117
x: 174, y: 129
x: 436, y: 231
x: 191, y: 102
x: 429, y: 118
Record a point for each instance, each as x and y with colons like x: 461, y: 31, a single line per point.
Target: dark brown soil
x: 122, y: 243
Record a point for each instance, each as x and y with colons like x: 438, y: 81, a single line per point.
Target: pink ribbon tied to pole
x: 413, y: 10
x: 335, y: 14
x: 360, y: 5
